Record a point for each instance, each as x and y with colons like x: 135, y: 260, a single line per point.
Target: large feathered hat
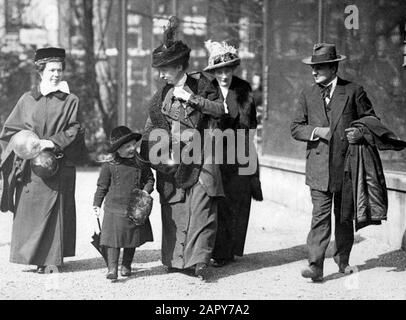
x: 171, y: 51
x: 221, y: 55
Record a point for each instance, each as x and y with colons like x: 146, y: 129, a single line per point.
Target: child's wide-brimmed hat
x: 171, y: 51
x: 221, y: 55
x: 323, y: 53
x: 121, y: 135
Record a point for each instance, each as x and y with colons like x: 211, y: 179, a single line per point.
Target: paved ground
x: 270, y: 269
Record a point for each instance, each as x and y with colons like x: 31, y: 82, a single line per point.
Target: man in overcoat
x: 188, y: 191
x: 324, y: 113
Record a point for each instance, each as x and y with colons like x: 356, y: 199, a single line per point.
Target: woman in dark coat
x: 44, y: 225
x: 118, y: 178
x: 239, y: 188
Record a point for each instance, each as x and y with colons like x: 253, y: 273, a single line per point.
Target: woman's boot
x: 112, y: 263
x: 128, y: 255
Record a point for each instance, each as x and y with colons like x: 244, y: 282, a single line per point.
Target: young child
x: 117, y: 179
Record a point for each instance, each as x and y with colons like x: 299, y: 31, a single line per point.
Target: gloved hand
x: 96, y: 211
x: 181, y: 94
x: 354, y: 135
x: 46, y: 144
x: 322, y: 132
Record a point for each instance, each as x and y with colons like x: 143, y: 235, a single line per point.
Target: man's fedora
x: 323, y: 53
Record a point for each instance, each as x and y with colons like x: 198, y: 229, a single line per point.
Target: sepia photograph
x: 202, y: 156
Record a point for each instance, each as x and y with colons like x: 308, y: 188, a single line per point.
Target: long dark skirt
x: 119, y: 232
x: 233, y: 216
x: 44, y: 225
x: 189, y: 229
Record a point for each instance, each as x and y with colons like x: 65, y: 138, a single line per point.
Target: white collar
x: 47, y: 88
x: 182, y: 81
x: 224, y: 91
x: 333, y: 85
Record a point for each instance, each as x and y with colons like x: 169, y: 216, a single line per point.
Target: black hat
x: 323, y: 53
x: 121, y: 135
x: 171, y: 50
x: 51, y: 52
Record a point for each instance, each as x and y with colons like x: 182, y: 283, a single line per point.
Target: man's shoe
x: 314, y: 273
x: 125, y: 271
x: 112, y: 275
x: 201, y: 271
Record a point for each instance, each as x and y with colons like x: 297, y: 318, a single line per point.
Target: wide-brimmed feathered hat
x: 171, y: 51
x: 323, y: 53
x: 221, y: 55
x: 121, y: 135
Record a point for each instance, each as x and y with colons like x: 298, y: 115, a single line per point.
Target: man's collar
x: 332, y: 82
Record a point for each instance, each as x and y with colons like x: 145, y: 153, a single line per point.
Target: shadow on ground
x: 259, y: 260
x: 394, y: 259
x: 141, y: 256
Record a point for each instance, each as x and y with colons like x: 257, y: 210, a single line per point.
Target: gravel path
x: 274, y: 254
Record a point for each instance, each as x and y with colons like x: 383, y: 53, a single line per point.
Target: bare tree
x: 97, y: 83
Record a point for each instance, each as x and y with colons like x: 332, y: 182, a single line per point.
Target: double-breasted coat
x: 44, y: 225
x: 188, y: 196
x: 325, y: 158
x: 116, y: 181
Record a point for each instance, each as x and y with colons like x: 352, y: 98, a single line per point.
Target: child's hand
x: 96, y: 211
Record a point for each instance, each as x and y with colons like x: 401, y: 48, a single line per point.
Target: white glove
x: 46, y: 144
x: 96, y: 211
x: 181, y: 93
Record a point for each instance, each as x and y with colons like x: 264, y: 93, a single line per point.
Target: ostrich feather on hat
x: 170, y: 32
x: 221, y: 55
x: 171, y: 50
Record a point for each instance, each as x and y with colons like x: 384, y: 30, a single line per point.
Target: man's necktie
x: 325, y: 91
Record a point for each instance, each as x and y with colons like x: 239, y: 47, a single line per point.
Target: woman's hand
x: 181, y: 93
x: 46, y: 144
x: 96, y: 211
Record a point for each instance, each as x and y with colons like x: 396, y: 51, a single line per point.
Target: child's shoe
x: 112, y: 263
x: 128, y: 255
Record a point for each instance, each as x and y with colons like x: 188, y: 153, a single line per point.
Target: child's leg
x: 112, y: 262
x: 128, y: 255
